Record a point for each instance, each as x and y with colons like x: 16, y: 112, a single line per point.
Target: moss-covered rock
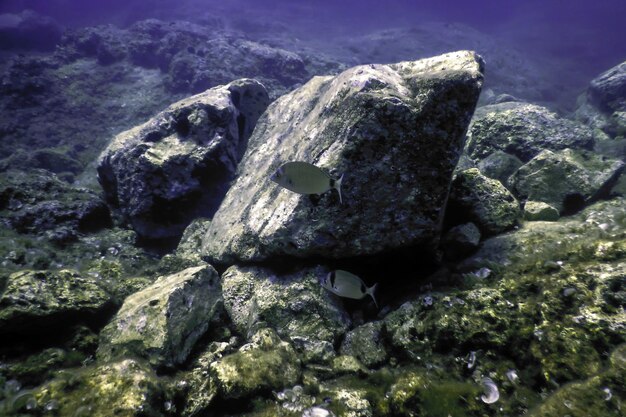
x: 599, y: 396
x: 294, y: 304
x: 523, y: 130
x: 264, y: 364
x: 567, y: 180
x: 483, y: 201
x: 47, y: 301
x: 372, y: 122
x: 198, y: 388
x: 540, y: 211
x: 126, y: 388
x: 366, y: 344
x: 163, y: 321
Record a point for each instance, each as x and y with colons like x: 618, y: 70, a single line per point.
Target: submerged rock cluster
x: 497, y: 238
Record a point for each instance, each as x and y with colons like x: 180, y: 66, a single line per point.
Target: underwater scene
x: 274, y: 208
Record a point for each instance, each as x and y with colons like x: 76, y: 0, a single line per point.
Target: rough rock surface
x: 397, y: 129
x: 266, y: 363
x: 47, y: 300
x: 539, y: 211
x: 523, y: 130
x: 608, y: 90
x: 603, y: 106
x: 499, y: 165
x: 126, y: 388
x: 295, y: 304
x: 163, y: 321
x: 178, y: 165
x: 483, y: 201
x: 567, y: 180
x: 366, y: 344
x: 461, y: 240
x: 38, y: 202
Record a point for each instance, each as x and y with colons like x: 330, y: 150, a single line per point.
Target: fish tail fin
x: 337, y: 186
x: 371, y: 290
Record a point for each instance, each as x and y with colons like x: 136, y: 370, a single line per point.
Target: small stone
x: 540, y: 211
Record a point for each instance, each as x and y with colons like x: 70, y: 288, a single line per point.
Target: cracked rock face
x: 163, y: 321
x: 394, y: 131
x: 177, y: 166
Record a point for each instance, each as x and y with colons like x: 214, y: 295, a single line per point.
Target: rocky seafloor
x: 149, y: 267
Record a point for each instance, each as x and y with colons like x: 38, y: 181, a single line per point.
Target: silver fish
x: 305, y: 178
x: 348, y: 285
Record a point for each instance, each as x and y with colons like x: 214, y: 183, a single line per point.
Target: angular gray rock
x: 36, y: 301
x: 500, y: 166
x: 461, y: 240
x: 523, y: 130
x: 603, y: 105
x: 295, y: 304
x: 539, y: 211
x: 163, y: 321
x: 177, y: 166
x: 567, y: 180
x: 608, y: 90
x: 483, y: 201
x: 394, y: 131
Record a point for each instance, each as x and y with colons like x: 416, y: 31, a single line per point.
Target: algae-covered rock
x: 483, y: 201
x: 199, y: 389
x: 163, y: 321
x: 366, y: 344
x: 294, y: 305
x: 36, y: 201
x: 599, y: 396
x: 499, y: 165
x: 177, y: 166
x: 373, y: 124
x: 127, y: 388
x: 191, y: 241
x: 415, y: 393
x: 523, y: 130
x: 47, y: 301
x: 540, y: 211
x: 264, y: 364
x: 567, y: 180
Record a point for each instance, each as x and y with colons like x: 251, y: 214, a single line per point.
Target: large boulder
x: 394, y: 131
x: 163, y: 321
x: 566, y: 180
x: 177, y: 166
x: 33, y: 302
x: 523, y: 130
x: 295, y: 304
